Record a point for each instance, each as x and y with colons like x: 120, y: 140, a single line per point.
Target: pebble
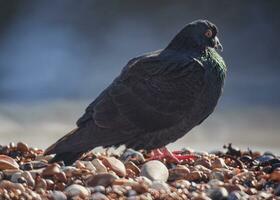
x: 238, y: 195
x: 58, y: 195
x: 131, y: 166
x: 22, y: 147
x: 98, y: 196
x: 277, y: 190
x: 204, y: 162
x: 51, y: 170
x: 275, y: 175
x: 76, y: 190
x: 155, y: 170
x: 160, y: 185
x: 115, y: 165
x: 218, y: 163
x: 179, y: 172
x: 99, y: 166
x: 217, y: 175
x: 131, y: 154
x: 99, y: 188
x: 104, y: 179
x: 219, y: 193
x: 7, y: 162
x: 194, y: 176
x: 89, y: 165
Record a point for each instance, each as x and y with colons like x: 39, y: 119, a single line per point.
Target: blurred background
x: 56, y: 57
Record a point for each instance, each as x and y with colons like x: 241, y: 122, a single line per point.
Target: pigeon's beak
x: 218, y: 45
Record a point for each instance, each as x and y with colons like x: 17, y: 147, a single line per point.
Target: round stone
x: 104, y: 179
x: 219, y: 193
x: 76, y: 190
x: 160, y: 185
x: 98, y: 196
x: 115, y: 165
x: 155, y: 170
x: 58, y: 195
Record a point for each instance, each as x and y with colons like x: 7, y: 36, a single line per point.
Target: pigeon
x: 157, y: 98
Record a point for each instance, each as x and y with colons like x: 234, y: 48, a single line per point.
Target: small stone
x: 144, y: 180
x: 275, y: 175
x: 264, y: 158
x: 76, y: 190
x: 100, y: 168
x: 26, y: 175
x: 181, y: 183
x: 155, y: 170
x: 115, y: 165
x: 51, y: 170
x: 7, y: 162
x: 131, y: 166
x: 160, y: 185
x: 194, y: 176
x: 26, y: 166
x: 104, y: 179
x: 44, y: 157
x: 40, y: 183
x: 215, y: 183
x: 217, y: 175
x: 218, y: 163
x: 131, y: 154
x: 238, y: 195
x: 22, y: 147
x: 38, y: 164
x: 277, y: 190
x: 58, y: 195
x: 131, y: 193
x: 60, y: 176
x: 204, y: 162
x: 88, y: 165
x: 98, y: 196
x: 99, y: 188
x: 179, y: 172
x: 8, y: 185
x: 219, y: 193
x: 233, y: 187
x: 69, y: 170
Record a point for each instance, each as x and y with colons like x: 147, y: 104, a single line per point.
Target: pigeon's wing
x: 151, y: 94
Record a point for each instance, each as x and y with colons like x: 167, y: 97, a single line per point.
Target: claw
x: 175, y: 156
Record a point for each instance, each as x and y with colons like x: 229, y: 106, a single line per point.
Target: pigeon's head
x: 199, y: 35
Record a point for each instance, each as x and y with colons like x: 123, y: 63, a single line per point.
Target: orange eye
x: 208, y: 33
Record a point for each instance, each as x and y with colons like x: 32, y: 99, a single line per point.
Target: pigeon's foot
x: 175, y: 156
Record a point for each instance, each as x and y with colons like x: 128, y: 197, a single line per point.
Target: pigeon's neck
x: 185, y: 44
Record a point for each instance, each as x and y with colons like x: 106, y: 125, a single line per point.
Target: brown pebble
x: 218, y: 163
x: 104, y: 179
x: 204, y: 162
x: 51, y: 170
x: 179, y: 172
x: 275, y: 175
x: 115, y: 165
x: 22, y: 147
x: 60, y: 176
x: 194, y: 176
x: 131, y: 166
x: 7, y: 162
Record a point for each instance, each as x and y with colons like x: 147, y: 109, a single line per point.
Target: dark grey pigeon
x: 157, y: 98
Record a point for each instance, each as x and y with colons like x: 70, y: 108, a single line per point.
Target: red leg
x: 175, y: 156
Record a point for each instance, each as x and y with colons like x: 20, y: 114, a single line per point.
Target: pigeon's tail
x: 69, y: 148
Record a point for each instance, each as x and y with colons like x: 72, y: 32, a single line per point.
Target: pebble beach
x: 230, y: 173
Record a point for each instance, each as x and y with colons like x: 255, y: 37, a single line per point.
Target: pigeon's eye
x: 208, y: 33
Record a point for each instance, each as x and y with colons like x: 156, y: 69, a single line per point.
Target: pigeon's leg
x: 164, y: 153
